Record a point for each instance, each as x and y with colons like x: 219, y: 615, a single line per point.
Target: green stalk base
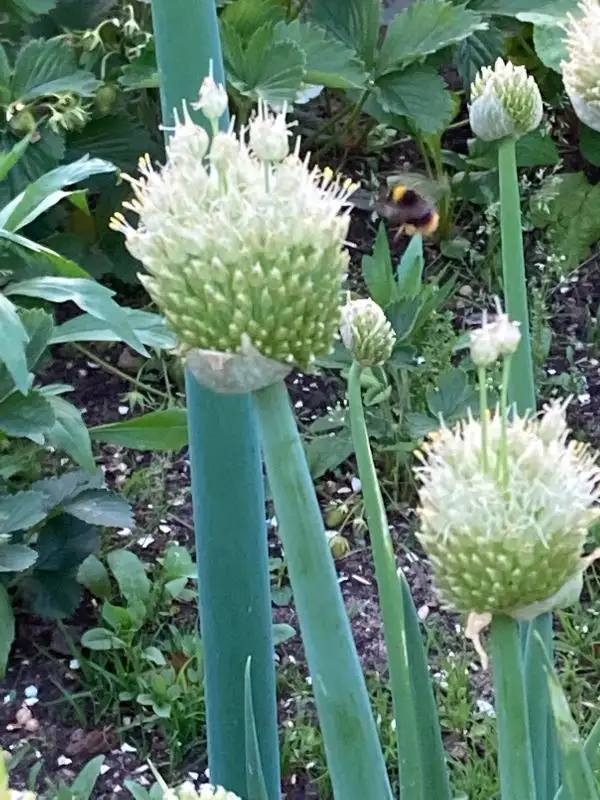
x: 514, y: 746
x: 354, y: 757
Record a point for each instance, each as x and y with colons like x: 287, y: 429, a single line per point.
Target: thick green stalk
x: 227, y: 486
x: 421, y: 760
x: 522, y: 384
x: 354, y: 756
x: 522, y: 393
x: 514, y: 750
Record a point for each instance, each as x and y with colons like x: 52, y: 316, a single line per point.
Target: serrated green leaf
x: 480, y: 49
x: 52, y: 595
x: 101, y: 507
x: 64, y: 543
x: 545, y: 12
x: 7, y: 629
x: 377, y: 270
x: 142, y: 72
x: 130, y: 575
x: 150, y: 329
x: 80, y: 15
x: 28, y: 416
x: 329, y: 62
x: 88, y: 295
x: 325, y: 453
x: 47, y: 66
x: 118, y: 139
x: 94, y: 576
x: 549, y: 41
x: 159, y: 430
x: 265, y: 69
x: 47, y: 191
x: 448, y: 397
x: 247, y: 16
x: 69, y: 433
x: 419, y: 94
x: 63, y: 488
x: 16, y: 557
x: 356, y: 23
x: 403, y: 315
x: 13, y: 341
x: 21, y: 511
x: 425, y: 27
x: 567, y: 207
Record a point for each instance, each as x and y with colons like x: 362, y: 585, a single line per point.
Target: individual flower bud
x: 246, y: 267
x: 212, y: 100
x: 339, y: 546
x: 484, y: 348
x: 269, y: 134
x: 553, y: 423
x: 506, y: 334
x: 367, y: 333
x: 581, y: 72
x: 505, y: 101
x: 506, y: 541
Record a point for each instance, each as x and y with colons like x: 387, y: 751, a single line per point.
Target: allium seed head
x: 498, y: 546
x: 367, y: 333
x: 505, y: 101
x: 581, y: 73
x: 243, y: 257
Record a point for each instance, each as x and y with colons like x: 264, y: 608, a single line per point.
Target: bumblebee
x: 411, y: 211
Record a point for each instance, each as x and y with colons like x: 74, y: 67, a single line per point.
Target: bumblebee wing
x: 432, y: 190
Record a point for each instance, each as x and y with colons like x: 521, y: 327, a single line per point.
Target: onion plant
x: 243, y: 248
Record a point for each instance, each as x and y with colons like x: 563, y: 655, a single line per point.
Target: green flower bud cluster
x: 367, y: 333
x: 581, y: 72
x: 505, y: 101
x: 505, y: 530
x: 243, y: 256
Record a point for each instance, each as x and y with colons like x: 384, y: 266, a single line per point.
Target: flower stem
x: 503, y: 461
x: 354, y: 757
x: 514, y: 747
x: 108, y: 367
x: 483, y: 415
x: 522, y: 385
x: 421, y: 760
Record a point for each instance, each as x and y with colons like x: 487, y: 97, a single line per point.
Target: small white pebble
x: 145, y: 541
x: 123, y: 410
x: 104, y: 769
x: 124, y: 532
x: 164, y: 528
x: 74, y: 664
x: 485, y: 707
x: 128, y: 748
x: 356, y: 485
x: 584, y: 398
x: 31, y: 701
x: 423, y: 613
x: 194, y: 776
x: 31, y: 691
x: 64, y: 761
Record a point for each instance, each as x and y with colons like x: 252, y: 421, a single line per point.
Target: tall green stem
x: 354, y: 756
x: 514, y: 750
x: 227, y: 486
x: 522, y: 385
x: 522, y: 393
x: 421, y: 760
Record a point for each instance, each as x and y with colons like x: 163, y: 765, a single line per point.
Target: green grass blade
x: 255, y: 779
x: 514, y: 749
x: 354, y: 756
x: 421, y: 761
x: 578, y: 776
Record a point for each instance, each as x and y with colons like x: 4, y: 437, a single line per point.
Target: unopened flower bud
x: 581, y: 72
x: 212, y: 100
x: 484, y: 348
x: 339, y: 546
x: 367, y: 333
x: 506, y: 334
x: 553, y: 422
x: 505, y: 101
x: 269, y: 135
